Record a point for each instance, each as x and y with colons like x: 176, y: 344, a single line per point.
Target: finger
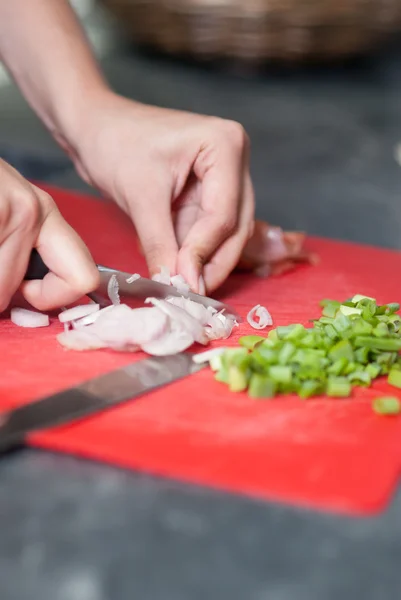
x: 153, y: 223
x: 226, y: 258
x: 20, y: 216
x: 73, y: 272
x: 186, y: 208
x: 15, y: 252
x: 221, y: 172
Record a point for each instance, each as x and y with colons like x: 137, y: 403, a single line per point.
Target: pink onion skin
x: 29, y: 318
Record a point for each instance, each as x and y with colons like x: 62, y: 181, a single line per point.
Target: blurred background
x: 316, y: 83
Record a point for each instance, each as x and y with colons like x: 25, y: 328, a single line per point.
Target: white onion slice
x: 180, y: 284
x: 262, y: 314
x: 163, y: 276
x: 29, y: 318
x: 172, y: 342
x: 206, y: 356
x: 78, y: 312
x: 133, y: 278
x: 124, y: 327
x: 80, y: 340
x: 181, y: 317
x: 91, y: 318
x: 195, y: 309
x: 112, y: 290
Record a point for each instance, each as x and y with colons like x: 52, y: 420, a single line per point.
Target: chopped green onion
x: 342, y: 349
x: 216, y: 363
x: 390, y: 344
x: 338, y: 387
x: 261, y: 386
x: 237, y: 379
x: 250, y: 341
x: 310, y: 388
x: 358, y: 297
x: 338, y: 367
x: 394, y: 377
x: 352, y: 343
x: 386, y: 405
x: 286, y: 352
x: 280, y: 374
x: 392, y: 308
x: 350, y: 310
x: 373, y: 370
x: 360, y: 378
x: 381, y: 330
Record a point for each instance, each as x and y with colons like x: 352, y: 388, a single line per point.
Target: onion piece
x: 180, y: 316
x: 172, y: 342
x: 91, y: 318
x: 78, y: 312
x: 80, y: 339
x: 29, y: 318
x: 133, y: 278
x: 112, y: 290
x: 124, y: 328
x: 262, y: 314
x: 163, y: 276
x: 203, y: 357
x: 180, y: 284
x: 195, y: 309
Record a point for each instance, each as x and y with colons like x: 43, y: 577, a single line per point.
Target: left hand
x: 183, y: 178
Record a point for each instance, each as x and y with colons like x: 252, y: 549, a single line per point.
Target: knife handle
x: 36, y: 267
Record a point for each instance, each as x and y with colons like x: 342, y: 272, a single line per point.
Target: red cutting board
x: 328, y: 454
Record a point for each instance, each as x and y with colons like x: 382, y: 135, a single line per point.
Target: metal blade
x: 95, y: 395
x: 144, y: 288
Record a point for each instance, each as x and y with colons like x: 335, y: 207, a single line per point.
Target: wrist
x: 72, y: 115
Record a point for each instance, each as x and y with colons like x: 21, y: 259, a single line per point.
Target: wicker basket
x: 275, y: 30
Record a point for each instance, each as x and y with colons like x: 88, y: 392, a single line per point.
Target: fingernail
x: 201, y: 286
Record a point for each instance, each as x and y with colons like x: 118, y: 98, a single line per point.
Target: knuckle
x: 46, y: 200
x: 88, y: 281
x: 25, y: 209
x: 226, y: 224
x: 236, y: 134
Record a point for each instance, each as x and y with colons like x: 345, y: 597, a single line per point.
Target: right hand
x: 30, y: 219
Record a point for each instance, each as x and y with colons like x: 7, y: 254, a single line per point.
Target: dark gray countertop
x: 323, y: 146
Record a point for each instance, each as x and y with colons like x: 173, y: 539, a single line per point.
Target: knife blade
x: 93, y: 396
x: 136, y: 292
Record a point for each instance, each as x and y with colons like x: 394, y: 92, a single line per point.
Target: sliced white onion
x: 172, y: 342
x: 163, y: 276
x: 80, y: 339
x: 78, y: 312
x: 195, y: 309
x: 180, y: 316
x: 125, y: 328
x: 206, y: 356
x: 180, y: 284
x: 133, y: 278
x: 112, y: 290
x: 91, y: 318
x: 262, y: 315
x: 29, y: 318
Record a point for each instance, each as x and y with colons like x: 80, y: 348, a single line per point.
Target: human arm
x: 183, y: 178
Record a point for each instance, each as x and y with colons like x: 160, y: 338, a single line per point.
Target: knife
x: 93, y: 396
x: 137, y: 291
